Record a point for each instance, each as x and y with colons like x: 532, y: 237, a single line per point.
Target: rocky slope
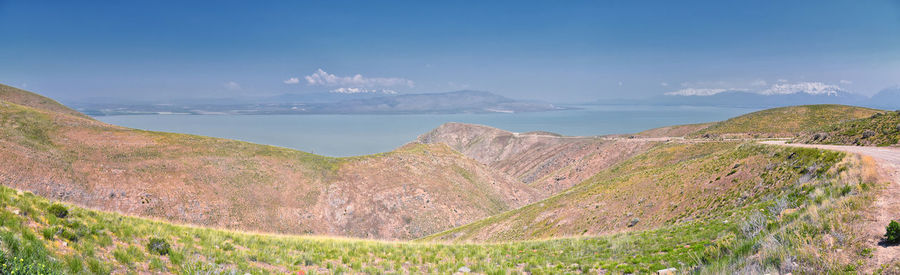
x: 546, y: 161
x: 411, y: 192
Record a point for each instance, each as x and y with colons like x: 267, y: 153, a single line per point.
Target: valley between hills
x: 83, y: 196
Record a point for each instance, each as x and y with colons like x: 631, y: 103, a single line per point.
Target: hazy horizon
x: 560, y: 52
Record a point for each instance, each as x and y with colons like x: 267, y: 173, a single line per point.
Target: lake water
x: 349, y: 135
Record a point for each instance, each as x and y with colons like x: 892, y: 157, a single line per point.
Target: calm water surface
x: 349, y: 135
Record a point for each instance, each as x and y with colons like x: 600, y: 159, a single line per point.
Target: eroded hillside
x: 407, y: 193
x: 546, y: 161
x: 669, y: 184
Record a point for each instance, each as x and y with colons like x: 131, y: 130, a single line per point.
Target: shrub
x: 633, y: 222
x: 48, y: 233
x: 67, y: 234
x: 892, y: 235
x: 58, y: 210
x: 158, y: 246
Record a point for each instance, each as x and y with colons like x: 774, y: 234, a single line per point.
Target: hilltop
x: 784, y: 121
x: 26, y: 98
x: 411, y: 192
x: 880, y: 129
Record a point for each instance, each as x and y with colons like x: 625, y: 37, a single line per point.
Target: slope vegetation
x: 771, y: 209
x: 669, y: 184
x: 670, y: 131
x: 35, y: 238
x: 793, y: 233
x: 546, y: 161
x: 785, y: 121
x: 881, y: 129
x: 411, y: 192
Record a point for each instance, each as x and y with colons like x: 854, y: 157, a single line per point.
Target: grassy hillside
x: 881, y: 129
x: 726, y: 185
x: 26, y: 98
x: 34, y: 237
x: 44, y: 237
x: 635, y: 206
x: 407, y: 193
x: 784, y: 121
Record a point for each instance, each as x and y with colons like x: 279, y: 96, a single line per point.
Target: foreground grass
x: 787, y: 232
x: 85, y: 241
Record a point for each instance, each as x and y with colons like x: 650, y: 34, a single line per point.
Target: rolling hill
x: 669, y: 184
x: 881, y: 129
x: 477, y: 198
x: 793, y: 233
x: 411, y: 192
x: 784, y: 121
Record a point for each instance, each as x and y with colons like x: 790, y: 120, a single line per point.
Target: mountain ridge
x: 465, y: 101
x: 746, y: 99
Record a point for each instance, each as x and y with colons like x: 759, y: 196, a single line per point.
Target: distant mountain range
x: 886, y: 99
x: 331, y: 103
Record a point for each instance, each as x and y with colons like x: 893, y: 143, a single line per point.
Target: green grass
x: 26, y: 126
x: 784, y: 209
x: 33, y: 100
x: 665, y: 185
x: 101, y: 242
x: 881, y: 129
x: 784, y: 121
x: 204, y: 249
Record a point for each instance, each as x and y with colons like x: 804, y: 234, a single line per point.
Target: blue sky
x: 560, y: 51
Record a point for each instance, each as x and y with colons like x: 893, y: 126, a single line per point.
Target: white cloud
x: 322, y: 78
x: 231, y: 85
x: 813, y: 88
x: 664, y: 84
x: 759, y: 86
x: 292, y: 80
x: 362, y: 90
x: 759, y: 82
x: 848, y: 82
x: 696, y: 92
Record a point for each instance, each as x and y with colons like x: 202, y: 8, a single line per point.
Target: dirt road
x: 886, y: 207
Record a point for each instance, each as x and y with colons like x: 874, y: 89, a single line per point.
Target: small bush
x: 158, y: 246
x: 48, y: 233
x: 67, y: 234
x: 892, y: 235
x: 58, y: 210
x: 633, y: 222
